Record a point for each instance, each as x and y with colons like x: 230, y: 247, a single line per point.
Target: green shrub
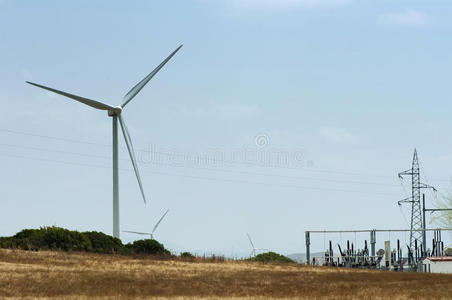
x: 147, y: 246
x: 187, y: 255
x: 56, y: 238
x: 272, y: 257
x: 64, y: 239
x: 6, y: 242
x: 48, y: 238
x: 103, y: 243
x: 28, y: 239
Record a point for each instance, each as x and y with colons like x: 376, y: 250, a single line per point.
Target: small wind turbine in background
x: 253, y: 252
x: 151, y: 234
x: 115, y: 113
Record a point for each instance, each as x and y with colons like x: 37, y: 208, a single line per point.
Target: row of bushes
x: 56, y: 238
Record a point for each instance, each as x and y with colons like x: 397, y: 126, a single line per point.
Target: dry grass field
x: 60, y: 275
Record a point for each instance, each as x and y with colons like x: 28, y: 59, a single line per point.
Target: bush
x: 187, y: 255
x: 147, y: 246
x: 64, y: 239
x: 56, y: 238
x: 272, y: 257
x: 6, y: 242
x: 27, y: 239
x: 48, y: 238
x: 103, y: 243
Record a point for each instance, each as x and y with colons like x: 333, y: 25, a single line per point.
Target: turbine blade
x: 137, y: 232
x: 132, y: 154
x: 252, y: 245
x: 137, y: 88
x: 92, y: 103
x: 158, y: 223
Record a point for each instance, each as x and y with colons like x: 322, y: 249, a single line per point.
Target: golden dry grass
x: 59, y: 275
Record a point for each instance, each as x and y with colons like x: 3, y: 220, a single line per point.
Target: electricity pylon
x: 417, y: 228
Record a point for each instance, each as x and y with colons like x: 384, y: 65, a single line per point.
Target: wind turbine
x: 116, y: 113
x: 253, y: 252
x: 151, y: 234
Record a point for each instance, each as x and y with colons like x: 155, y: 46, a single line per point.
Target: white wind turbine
x: 151, y: 234
x: 115, y: 113
x: 253, y: 252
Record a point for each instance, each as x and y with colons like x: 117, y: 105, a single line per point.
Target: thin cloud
x: 336, y: 135
x: 276, y: 5
x: 405, y: 18
x: 221, y: 110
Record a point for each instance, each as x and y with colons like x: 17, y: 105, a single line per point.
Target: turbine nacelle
x: 116, y: 111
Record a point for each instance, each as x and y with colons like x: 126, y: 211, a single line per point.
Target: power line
x: 205, y: 157
x: 200, y: 177
x: 54, y: 138
x: 54, y: 151
x: 200, y: 168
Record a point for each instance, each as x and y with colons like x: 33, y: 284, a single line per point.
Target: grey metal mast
x: 115, y: 178
x: 417, y: 228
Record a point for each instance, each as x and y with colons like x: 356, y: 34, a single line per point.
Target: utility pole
x: 424, y: 238
x: 417, y: 222
x: 373, y: 241
x: 424, y: 242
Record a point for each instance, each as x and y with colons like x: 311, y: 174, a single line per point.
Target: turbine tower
x: 151, y: 234
x: 115, y: 112
x: 416, y: 230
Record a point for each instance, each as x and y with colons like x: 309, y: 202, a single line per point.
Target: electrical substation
x: 417, y: 248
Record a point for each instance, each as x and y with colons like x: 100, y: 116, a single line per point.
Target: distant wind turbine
x: 253, y: 252
x: 151, y: 234
x: 115, y: 113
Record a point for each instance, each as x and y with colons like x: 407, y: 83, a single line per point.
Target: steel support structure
x: 373, y: 236
x: 116, y: 230
x: 424, y: 242
x: 417, y: 227
x: 373, y: 241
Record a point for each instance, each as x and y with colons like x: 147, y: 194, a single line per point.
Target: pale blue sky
x: 353, y: 86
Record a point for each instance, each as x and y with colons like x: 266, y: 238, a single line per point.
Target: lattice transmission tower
x: 417, y: 228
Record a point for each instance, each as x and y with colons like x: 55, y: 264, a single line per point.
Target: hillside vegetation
x: 56, y: 238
